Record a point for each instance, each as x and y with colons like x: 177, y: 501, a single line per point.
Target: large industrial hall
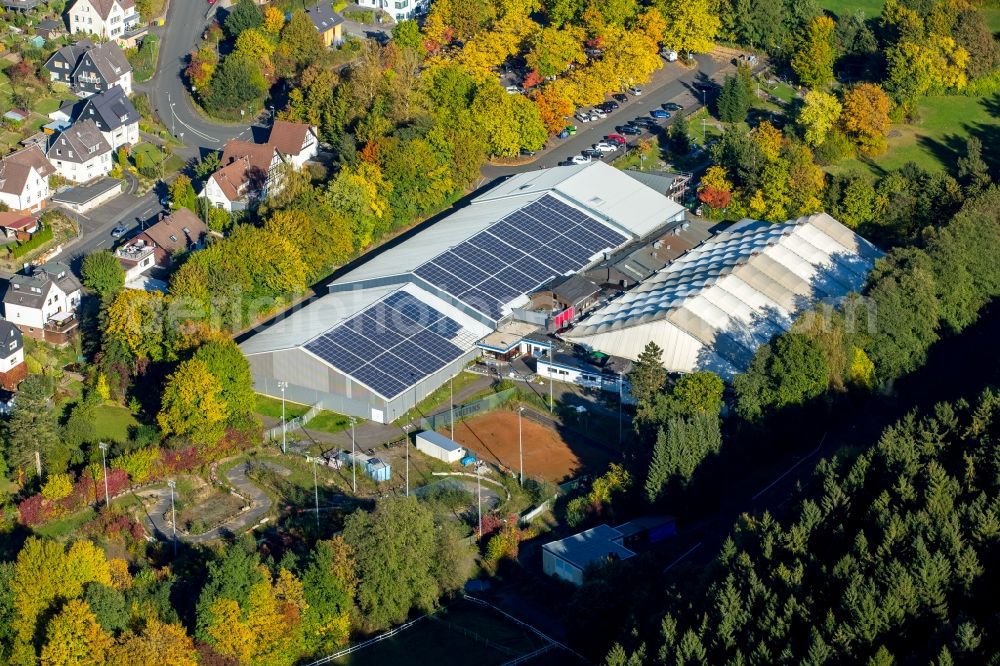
x: 490, y: 279
x: 397, y: 327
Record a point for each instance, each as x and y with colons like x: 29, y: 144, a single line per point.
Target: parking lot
x: 673, y: 83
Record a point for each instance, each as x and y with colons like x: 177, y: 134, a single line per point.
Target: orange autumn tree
x: 715, y: 190
x: 553, y: 108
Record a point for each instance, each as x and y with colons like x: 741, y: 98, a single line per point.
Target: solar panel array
x: 393, y: 344
x: 544, y: 239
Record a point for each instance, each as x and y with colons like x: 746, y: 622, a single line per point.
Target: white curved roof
x: 711, y: 308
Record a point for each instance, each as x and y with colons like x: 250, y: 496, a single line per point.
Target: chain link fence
x: 490, y: 402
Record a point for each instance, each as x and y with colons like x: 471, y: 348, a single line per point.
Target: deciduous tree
x: 691, y: 26
x: 103, y: 274
x: 193, y: 404
x: 244, y: 15
x: 74, y: 637
x: 819, y: 116
x: 866, y: 117
x: 813, y: 60
x: 224, y: 360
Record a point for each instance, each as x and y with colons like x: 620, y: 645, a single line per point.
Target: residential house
x: 250, y: 172
x: 297, y: 143
x: 12, y: 224
x: 400, y: 9
x: 13, y: 369
x: 43, y: 303
x: 24, y: 179
x: 114, y: 115
x: 89, y: 69
x: 108, y: 19
x: 327, y: 22
x: 80, y: 153
x: 50, y: 29
x: 180, y: 231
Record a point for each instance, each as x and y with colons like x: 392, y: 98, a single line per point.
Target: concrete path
x: 158, y: 517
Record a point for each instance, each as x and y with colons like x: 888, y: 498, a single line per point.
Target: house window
x: 13, y: 345
x: 173, y: 238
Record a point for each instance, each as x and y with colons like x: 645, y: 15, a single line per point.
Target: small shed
x: 378, y: 470
x: 647, y: 530
x: 438, y: 446
x: 568, y: 558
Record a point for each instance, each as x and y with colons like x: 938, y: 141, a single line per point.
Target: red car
x: 616, y: 138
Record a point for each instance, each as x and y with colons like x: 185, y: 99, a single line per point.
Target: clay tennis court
x: 493, y: 437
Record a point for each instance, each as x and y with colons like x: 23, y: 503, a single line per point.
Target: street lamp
x: 354, y: 466
x: 451, y: 385
x: 621, y: 388
x: 520, y: 449
x: 479, y: 493
x: 282, y: 386
x: 173, y: 122
x: 173, y: 515
x: 104, y: 463
x: 316, y: 493
x: 406, y: 443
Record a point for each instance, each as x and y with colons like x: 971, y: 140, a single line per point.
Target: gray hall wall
x: 310, y: 382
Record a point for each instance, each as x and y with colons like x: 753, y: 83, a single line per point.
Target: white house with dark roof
x: 90, y: 68
x: 296, y: 142
x: 24, y: 179
x: 43, y: 303
x: 114, y: 115
x: 12, y: 367
x: 108, y: 19
x: 81, y: 153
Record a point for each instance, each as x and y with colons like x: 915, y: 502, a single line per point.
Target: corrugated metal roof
x: 734, y: 292
x: 590, y: 546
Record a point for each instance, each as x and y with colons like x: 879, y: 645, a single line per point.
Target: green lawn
x: 272, y: 407
x: 329, y: 422
x: 871, y: 8
x: 47, y: 105
x: 936, y: 139
x: 113, y: 422
x: 66, y: 525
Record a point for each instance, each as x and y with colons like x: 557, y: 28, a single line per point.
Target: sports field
x: 493, y: 437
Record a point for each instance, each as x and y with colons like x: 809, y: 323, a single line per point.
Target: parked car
x: 670, y: 56
x: 659, y: 114
x: 643, y: 121
x: 672, y: 106
x: 635, y: 90
x: 580, y: 159
x: 598, y: 113
x: 583, y: 117
x: 605, y: 147
x: 564, y: 134
x: 527, y: 153
x: 514, y: 90
x: 591, y: 153
x: 629, y: 130
x: 609, y: 106
x: 571, y: 129
x: 620, y: 97
x: 616, y: 139
x: 119, y: 231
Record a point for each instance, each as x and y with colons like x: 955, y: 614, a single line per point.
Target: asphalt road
x: 95, y: 226
x: 186, y: 20
x: 672, y: 83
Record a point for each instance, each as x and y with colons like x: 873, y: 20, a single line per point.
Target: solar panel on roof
x: 457, y: 266
x: 488, y: 262
x: 440, y: 278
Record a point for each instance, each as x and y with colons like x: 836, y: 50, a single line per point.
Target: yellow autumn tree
x: 162, y: 644
x: 865, y: 117
x: 691, y: 25
x: 74, y: 638
x: 57, y: 487
x: 267, y: 629
x: 553, y: 108
x: 819, y: 115
x: 135, y: 318
x: 769, y: 139
x: 813, y: 61
x: 274, y: 20
x: 193, y: 405
x: 862, y: 370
